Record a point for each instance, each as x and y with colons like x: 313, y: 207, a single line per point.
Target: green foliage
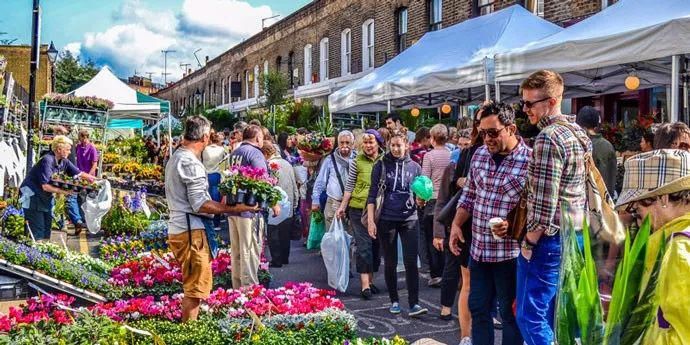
x: 587, y: 301
x: 220, y: 118
x: 71, y: 73
x: 3, y: 100
x: 572, y: 263
x: 204, y: 331
x: 325, y: 127
x: 120, y: 221
x: 643, y: 313
x: 275, y: 88
x: 305, y: 114
x: 627, y: 283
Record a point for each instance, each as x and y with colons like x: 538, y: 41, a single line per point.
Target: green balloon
x: 422, y: 187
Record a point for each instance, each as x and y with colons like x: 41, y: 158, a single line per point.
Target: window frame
x: 324, y: 57
x: 434, y: 22
x: 346, y: 52
x: 308, y: 53
x: 482, y: 5
x: 402, y: 22
x: 368, y: 45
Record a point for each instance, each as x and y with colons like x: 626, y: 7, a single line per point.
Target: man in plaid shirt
x: 556, y: 178
x: 497, y: 175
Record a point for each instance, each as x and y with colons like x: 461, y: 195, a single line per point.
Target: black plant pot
x: 231, y: 199
x: 241, y: 195
x: 55, y: 184
x: 250, y: 199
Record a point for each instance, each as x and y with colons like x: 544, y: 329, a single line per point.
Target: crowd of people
x: 463, y: 236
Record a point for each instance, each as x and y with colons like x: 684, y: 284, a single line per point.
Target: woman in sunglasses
x: 657, y: 185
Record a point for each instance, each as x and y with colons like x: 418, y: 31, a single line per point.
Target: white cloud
x: 136, y: 40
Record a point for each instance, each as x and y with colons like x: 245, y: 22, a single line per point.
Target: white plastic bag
x: 335, y: 249
x: 95, y: 208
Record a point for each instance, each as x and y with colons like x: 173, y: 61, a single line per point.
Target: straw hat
x: 653, y: 174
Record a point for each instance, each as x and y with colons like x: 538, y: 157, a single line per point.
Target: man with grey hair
x: 190, y: 228
x: 332, y: 175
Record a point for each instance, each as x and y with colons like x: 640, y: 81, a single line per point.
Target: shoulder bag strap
x: 337, y: 173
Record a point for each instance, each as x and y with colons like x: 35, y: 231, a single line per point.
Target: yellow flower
x: 256, y: 338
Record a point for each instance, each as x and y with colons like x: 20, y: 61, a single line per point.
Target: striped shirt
x: 493, y: 192
x: 433, y: 165
x: 557, y: 176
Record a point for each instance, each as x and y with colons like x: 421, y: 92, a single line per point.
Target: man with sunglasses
x: 556, y: 179
x: 496, y: 178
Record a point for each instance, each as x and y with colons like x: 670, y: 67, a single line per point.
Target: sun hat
x: 654, y: 173
x: 377, y: 136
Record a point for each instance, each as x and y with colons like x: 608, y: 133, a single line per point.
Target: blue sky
x: 128, y: 35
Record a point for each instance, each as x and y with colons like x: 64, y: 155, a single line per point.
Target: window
x: 257, y: 77
x: 345, y: 52
x: 536, y: 6
x: 402, y: 29
x: 291, y: 71
x: 487, y: 6
x: 246, y: 84
x: 222, y: 91
x: 279, y: 61
x: 368, y: 45
x: 323, y: 54
x: 436, y: 15
x: 307, y: 64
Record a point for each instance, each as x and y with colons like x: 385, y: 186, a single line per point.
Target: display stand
x: 63, y: 115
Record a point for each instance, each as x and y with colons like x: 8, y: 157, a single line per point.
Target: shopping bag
x: 95, y: 208
x: 316, y: 230
x: 335, y: 249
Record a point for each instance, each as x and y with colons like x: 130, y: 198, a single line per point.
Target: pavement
x: 373, y: 317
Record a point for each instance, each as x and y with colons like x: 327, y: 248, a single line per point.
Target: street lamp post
x: 33, y: 67
x: 52, y: 57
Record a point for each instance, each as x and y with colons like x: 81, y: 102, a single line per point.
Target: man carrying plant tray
x: 186, y: 189
x: 246, y: 228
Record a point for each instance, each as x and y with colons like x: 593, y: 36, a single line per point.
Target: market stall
x: 641, y: 39
x: 450, y: 65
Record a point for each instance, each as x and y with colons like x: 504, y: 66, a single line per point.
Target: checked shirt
x: 557, y: 176
x: 493, y: 192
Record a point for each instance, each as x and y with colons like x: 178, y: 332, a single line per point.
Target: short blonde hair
x: 439, y: 132
x: 60, y: 140
x: 549, y: 82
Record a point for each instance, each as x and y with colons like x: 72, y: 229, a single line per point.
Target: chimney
x: 206, y: 59
x: 189, y: 71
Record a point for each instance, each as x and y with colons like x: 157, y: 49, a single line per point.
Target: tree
x: 71, y: 73
x: 275, y: 88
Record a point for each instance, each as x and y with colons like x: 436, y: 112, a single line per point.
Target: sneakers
x: 446, y: 317
x: 435, y: 282
x: 395, y: 308
x: 497, y: 324
x: 417, y: 310
x: 366, y: 294
x: 466, y: 341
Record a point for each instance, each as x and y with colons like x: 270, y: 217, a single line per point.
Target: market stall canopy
x: 597, y: 54
x: 444, y: 64
x: 128, y: 103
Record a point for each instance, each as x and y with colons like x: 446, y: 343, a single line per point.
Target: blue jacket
x: 398, y: 199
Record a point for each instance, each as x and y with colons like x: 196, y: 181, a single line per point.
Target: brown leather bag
x: 517, y: 217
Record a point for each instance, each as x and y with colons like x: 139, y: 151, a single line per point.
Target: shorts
x: 195, y: 260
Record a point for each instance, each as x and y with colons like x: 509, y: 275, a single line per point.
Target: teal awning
x: 144, y: 98
x: 125, y: 123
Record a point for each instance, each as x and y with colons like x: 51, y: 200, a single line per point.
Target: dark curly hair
x: 506, y: 113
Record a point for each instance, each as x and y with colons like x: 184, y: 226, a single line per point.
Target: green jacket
x: 364, y: 166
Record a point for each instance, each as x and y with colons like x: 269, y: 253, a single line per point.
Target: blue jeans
x: 537, y: 285
x: 39, y: 222
x: 492, y: 281
x: 73, y: 209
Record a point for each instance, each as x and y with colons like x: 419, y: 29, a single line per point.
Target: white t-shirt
x: 212, y: 157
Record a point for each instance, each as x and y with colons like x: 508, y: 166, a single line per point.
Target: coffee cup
x: 494, y: 222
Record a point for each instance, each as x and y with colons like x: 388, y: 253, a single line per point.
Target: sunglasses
x: 529, y: 105
x: 491, y: 132
x: 632, y: 207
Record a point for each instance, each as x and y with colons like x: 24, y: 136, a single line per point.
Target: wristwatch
x: 526, y: 244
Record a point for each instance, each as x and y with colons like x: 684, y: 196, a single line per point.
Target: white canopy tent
x: 641, y: 37
x: 128, y: 103
x: 444, y: 65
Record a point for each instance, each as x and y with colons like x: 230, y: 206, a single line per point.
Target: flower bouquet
x: 250, y: 186
x: 314, y: 146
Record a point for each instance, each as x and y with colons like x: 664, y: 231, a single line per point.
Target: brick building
x: 329, y: 43
x: 18, y: 63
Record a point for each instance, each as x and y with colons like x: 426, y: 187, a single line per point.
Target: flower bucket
x: 250, y: 199
x: 231, y: 199
x: 241, y: 195
x: 310, y: 157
